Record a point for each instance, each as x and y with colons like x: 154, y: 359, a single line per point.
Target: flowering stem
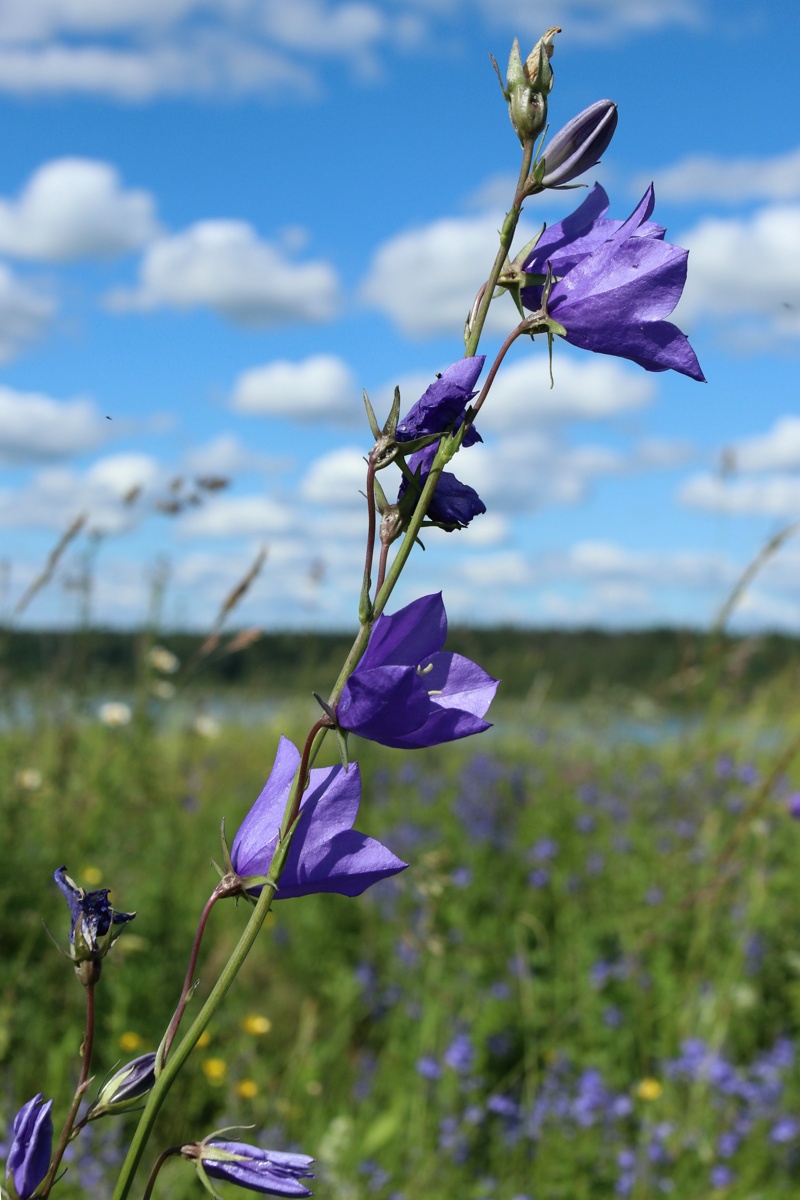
x: 158, y: 1164
x: 188, y: 983
x: 190, y: 1039
x: 83, y: 1083
x: 384, y: 558
x: 523, y: 327
x: 506, y: 238
x: 367, y: 582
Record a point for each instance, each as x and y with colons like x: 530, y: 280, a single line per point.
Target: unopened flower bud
x: 580, y: 144
x: 126, y: 1086
x: 528, y: 85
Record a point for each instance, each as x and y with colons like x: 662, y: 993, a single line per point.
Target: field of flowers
x: 587, y: 983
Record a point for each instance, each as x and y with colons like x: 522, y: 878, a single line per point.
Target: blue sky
x: 220, y: 219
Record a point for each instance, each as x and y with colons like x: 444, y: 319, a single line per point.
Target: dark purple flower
x: 29, y: 1156
x: 326, y: 853
x: 92, y: 932
x: 269, y: 1171
x: 440, y: 408
x: 454, y: 503
x: 580, y: 144
x: 443, y: 404
x: 615, y: 282
x: 406, y: 692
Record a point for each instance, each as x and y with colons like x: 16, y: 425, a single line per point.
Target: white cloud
x: 589, y: 389
x: 25, y: 314
x: 75, y: 208
x: 318, y: 388
x: 237, y: 516
x: 226, y: 455
x: 225, y: 266
x: 776, y: 450
x: 766, y: 496
x: 530, y: 471
x: 729, y: 181
x: 56, y: 495
x: 35, y: 428
x: 746, y: 267
x: 336, y: 479
x: 426, y: 279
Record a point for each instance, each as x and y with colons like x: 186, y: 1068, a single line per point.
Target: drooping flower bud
x: 273, y: 1172
x: 528, y: 85
x: 580, y: 144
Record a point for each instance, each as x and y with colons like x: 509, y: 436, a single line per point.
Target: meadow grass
x: 587, y: 983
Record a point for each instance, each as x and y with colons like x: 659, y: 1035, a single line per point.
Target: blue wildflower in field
x: 269, y: 1171
x: 93, y: 929
x: 406, y: 692
x: 615, y: 281
x: 29, y: 1156
x: 326, y: 853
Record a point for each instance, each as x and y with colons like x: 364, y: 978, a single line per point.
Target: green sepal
x: 226, y: 854
x: 390, y: 428
x: 206, y: 1182
x: 341, y: 745
x: 373, y: 420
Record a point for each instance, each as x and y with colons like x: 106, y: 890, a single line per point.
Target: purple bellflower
x: 270, y: 1171
x: 93, y: 931
x: 127, y: 1086
x: 326, y: 854
x: 615, y: 281
x: 442, y: 407
x: 31, y: 1146
x: 406, y: 692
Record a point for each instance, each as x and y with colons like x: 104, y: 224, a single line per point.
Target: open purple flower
x: 326, y: 854
x: 270, y: 1171
x: 615, y: 281
x: 441, y: 407
x: 443, y: 404
x: 406, y: 692
x: 31, y: 1146
x: 93, y: 931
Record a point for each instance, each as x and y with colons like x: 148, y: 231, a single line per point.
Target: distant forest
x: 670, y: 665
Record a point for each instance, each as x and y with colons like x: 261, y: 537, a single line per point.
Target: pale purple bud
x: 580, y: 144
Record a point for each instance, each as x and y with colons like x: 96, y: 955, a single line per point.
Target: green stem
x: 80, y: 1090
x: 506, y: 238
x: 184, y: 1049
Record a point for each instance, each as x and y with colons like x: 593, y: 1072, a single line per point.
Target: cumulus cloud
x: 56, y: 495
x: 318, y: 388
x: 225, y: 266
x: 726, y: 181
x: 426, y: 279
x: 746, y: 267
x: 237, y: 516
x: 226, y: 455
x: 776, y: 495
x: 75, y: 208
x: 585, y: 389
x: 35, y: 428
x: 25, y: 313
x: 336, y: 479
x: 776, y: 450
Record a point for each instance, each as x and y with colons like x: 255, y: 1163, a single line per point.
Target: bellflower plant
x: 326, y: 854
x: 604, y: 285
x: 31, y: 1146
x: 615, y: 281
x: 406, y: 692
x: 267, y: 1171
